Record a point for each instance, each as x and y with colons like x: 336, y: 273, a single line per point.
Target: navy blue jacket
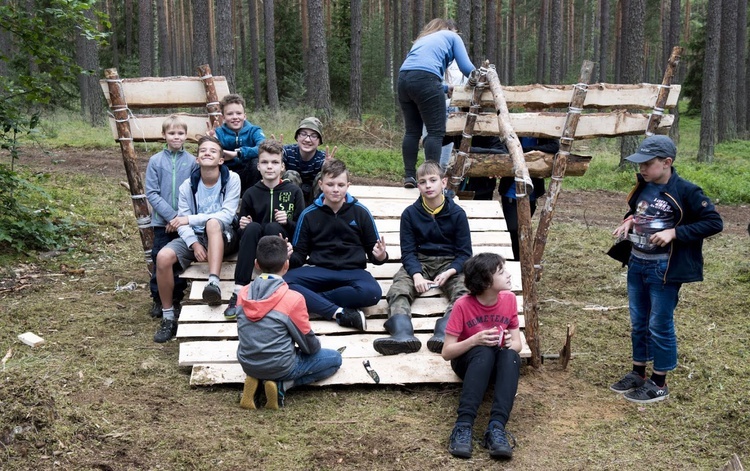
x: 337, y: 241
x: 695, y: 219
x: 445, y: 235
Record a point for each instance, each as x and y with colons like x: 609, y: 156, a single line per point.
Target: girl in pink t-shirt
x: 482, y: 341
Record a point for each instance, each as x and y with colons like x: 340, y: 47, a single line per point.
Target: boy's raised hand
x: 289, y: 247
x: 330, y: 155
x: 280, y: 139
x: 210, y: 130
x: 378, y: 251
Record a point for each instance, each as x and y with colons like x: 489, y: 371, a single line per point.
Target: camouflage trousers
x: 402, y: 292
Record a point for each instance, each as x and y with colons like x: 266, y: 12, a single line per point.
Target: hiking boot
x: 496, y: 441
x: 460, y: 441
x: 435, y: 343
x: 155, y: 311
x: 167, y: 330
x: 351, y: 317
x: 230, y: 313
x: 629, y: 382
x: 410, y: 182
x: 250, y: 392
x: 402, y: 339
x: 649, y: 392
x: 274, y: 394
x: 212, y: 294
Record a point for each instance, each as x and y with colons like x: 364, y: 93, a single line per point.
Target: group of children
x: 310, y: 243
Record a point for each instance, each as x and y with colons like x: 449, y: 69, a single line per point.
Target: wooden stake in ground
x: 567, y: 349
x: 213, y: 109
x: 666, y: 84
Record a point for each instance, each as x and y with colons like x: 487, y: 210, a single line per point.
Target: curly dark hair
x: 478, y: 271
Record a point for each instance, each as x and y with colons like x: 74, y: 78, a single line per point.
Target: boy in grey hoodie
x: 276, y: 343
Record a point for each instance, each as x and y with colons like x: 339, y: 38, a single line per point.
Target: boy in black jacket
x: 435, y: 243
x: 335, y: 237
x: 270, y: 207
x: 669, y: 217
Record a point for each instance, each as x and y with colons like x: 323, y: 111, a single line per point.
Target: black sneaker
x: 649, y: 392
x: 274, y: 394
x: 351, y: 317
x: 155, y: 311
x: 629, y: 382
x: 230, y: 313
x: 212, y: 294
x: 460, y: 444
x: 497, y: 442
x: 410, y: 182
x: 167, y: 330
x: 250, y: 393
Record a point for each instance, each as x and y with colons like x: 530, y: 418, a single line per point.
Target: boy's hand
x: 280, y: 216
x: 176, y: 222
x: 199, y: 251
x: 443, y: 277
x: 507, y: 340
x: 230, y: 154
x: 210, y: 130
x: 421, y: 283
x: 289, y: 247
x: 244, y: 221
x: 280, y: 139
x: 378, y: 251
x: 664, y: 237
x: 623, y: 229
x: 330, y: 155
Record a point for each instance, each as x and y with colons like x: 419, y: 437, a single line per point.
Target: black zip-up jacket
x: 337, y: 241
x: 259, y: 202
x: 695, y: 219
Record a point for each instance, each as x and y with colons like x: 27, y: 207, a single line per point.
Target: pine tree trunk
x: 728, y: 76
x: 742, y: 127
x: 128, y: 28
x: 674, y: 40
x: 388, y: 54
x: 225, y: 42
x: 710, y: 86
x: 463, y: 21
x: 201, y: 33
x: 541, y: 48
x: 355, y: 76
x: 490, y: 40
x: 418, y: 16
x: 406, y: 31
x: 112, y: 14
x: 165, y: 59
x: 556, y: 42
x: 269, y: 35
x: 87, y: 57
x: 397, y: 58
x: 477, y: 39
x: 634, y: 17
x: 512, y: 45
x: 145, y: 38
x: 252, y: 15
x: 321, y: 90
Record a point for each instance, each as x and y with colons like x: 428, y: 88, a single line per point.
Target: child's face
x: 656, y: 170
x: 334, y: 188
x: 501, y: 280
x: 270, y: 166
x: 234, y: 116
x: 431, y: 185
x: 210, y: 155
x: 175, y: 137
x: 308, y: 140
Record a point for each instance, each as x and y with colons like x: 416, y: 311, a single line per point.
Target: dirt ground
x: 138, y: 412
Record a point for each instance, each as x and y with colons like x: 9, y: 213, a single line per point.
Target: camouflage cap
x: 311, y: 123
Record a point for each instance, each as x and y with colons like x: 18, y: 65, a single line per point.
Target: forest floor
x: 99, y: 394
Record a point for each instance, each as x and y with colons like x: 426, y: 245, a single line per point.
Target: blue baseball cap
x: 654, y: 146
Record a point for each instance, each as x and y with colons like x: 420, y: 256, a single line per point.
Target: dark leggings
x: 477, y: 368
x: 251, y: 235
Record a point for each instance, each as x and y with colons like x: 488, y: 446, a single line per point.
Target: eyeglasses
x: 303, y: 135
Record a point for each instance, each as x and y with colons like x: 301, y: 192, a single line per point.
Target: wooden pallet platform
x: 208, y: 344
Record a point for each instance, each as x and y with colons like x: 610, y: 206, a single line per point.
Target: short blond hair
x: 173, y: 121
x: 430, y: 167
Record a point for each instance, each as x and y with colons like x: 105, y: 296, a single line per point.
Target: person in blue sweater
x: 435, y: 243
x: 421, y: 92
x: 165, y: 173
x: 240, y: 139
x: 667, y: 221
x: 334, y: 239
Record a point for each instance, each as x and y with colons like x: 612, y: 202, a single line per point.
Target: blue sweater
x: 245, y: 142
x: 165, y: 173
x: 434, y: 52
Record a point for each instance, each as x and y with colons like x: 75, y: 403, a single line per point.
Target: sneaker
x: 496, y: 441
x: 410, y: 182
x: 230, y: 313
x: 351, y: 317
x: 649, y: 392
x: 274, y: 394
x: 460, y: 444
x: 212, y: 294
x: 167, y: 330
x: 249, y: 393
x: 155, y: 311
x: 629, y: 382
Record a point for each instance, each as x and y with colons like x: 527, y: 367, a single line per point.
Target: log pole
x: 215, y: 117
x: 120, y: 111
x: 560, y: 163
x: 666, y: 84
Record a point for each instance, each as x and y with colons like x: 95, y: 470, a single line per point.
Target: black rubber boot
x: 435, y: 344
x: 402, y: 339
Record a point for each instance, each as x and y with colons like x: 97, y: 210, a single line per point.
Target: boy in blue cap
x: 668, y: 219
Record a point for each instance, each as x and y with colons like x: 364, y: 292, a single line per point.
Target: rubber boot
x: 402, y: 339
x: 435, y: 344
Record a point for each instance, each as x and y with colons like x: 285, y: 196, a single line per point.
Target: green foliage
x: 692, y: 86
x: 289, y: 58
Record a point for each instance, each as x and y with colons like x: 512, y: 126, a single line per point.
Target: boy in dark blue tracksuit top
x: 335, y: 237
x: 668, y: 219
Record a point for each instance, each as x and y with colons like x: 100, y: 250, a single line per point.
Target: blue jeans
x: 326, y: 290
x: 311, y: 368
x: 422, y: 101
x: 652, y: 303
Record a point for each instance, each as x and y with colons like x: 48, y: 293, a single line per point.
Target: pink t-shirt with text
x: 469, y: 316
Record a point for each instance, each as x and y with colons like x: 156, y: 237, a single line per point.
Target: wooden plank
x: 550, y: 125
x: 166, y: 92
x: 147, y: 128
x: 357, y: 346
x: 599, y: 95
x: 228, y: 330
x: 421, y: 307
x: 393, y: 208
